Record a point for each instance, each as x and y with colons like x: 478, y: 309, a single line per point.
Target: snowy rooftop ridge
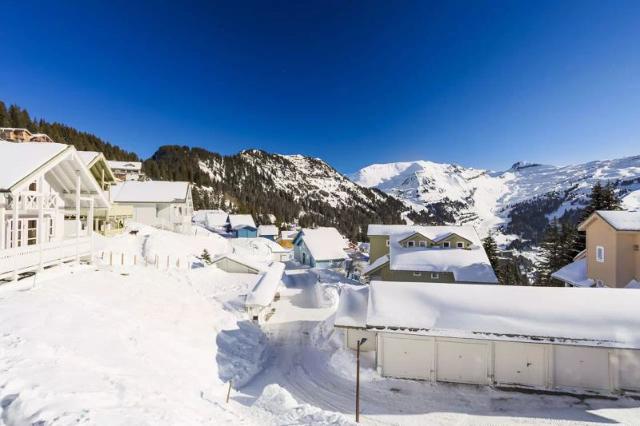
x: 575, y: 273
x: 265, y: 289
x: 240, y: 220
x: 621, y: 220
x: 125, y: 165
x: 271, y: 230
x: 150, y: 192
x: 324, y: 243
x: 434, y: 233
x: 17, y: 160
x: 540, y: 314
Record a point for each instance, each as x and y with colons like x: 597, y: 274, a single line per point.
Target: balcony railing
x: 29, y: 200
x: 21, y: 259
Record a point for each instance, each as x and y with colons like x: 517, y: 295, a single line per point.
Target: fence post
x: 110, y: 258
x: 157, y: 262
x: 178, y: 263
x: 135, y: 259
x: 122, y: 259
x: 167, y: 261
x: 229, y: 390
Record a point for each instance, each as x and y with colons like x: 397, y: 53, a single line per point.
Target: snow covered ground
x: 145, y: 346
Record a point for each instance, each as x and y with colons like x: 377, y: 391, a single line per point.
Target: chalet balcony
x: 20, y: 259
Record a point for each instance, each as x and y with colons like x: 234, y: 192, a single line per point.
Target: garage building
x: 514, y: 336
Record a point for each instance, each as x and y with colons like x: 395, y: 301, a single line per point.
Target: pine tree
x: 491, y: 248
x: 205, y: 257
x: 610, y: 199
x: 553, y: 255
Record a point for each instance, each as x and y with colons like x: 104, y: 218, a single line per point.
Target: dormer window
x: 446, y: 244
x: 460, y: 245
x: 600, y: 254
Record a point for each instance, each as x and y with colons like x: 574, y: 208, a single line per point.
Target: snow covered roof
x: 633, y: 284
x: 18, y: 160
x: 621, y: 220
x: 288, y: 235
x: 267, y: 230
x: 125, y: 165
x: 241, y: 220
x: 434, y: 233
x: 257, y: 266
x: 378, y: 263
x: 88, y: 157
x: 265, y: 289
x: 552, y: 314
x: 216, y: 219
x: 352, y: 307
x: 150, y: 192
x: 469, y: 264
x: 574, y: 273
x: 324, y: 243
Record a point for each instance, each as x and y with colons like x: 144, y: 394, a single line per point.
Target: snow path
x: 326, y: 379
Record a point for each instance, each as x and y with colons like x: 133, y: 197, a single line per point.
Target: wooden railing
x: 22, y: 259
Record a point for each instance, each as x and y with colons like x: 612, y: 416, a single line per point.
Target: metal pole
x: 229, y: 390
x: 359, y: 343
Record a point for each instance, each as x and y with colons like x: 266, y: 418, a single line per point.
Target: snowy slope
x: 485, y: 199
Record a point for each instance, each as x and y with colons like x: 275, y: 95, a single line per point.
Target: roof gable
x: 19, y: 160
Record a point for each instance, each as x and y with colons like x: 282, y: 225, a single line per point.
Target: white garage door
x: 462, y: 362
x: 581, y: 367
x: 629, y: 369
x: 519, y: 364
x: 407, y: 358
x: 145, y: 214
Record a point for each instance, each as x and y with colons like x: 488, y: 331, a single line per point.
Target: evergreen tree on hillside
x: 601, y: 198
x: 491, y: 248
x: 14, y: 116
x: 552, y: 256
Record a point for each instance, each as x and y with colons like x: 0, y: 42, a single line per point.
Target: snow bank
x: 242, y: 353
x: 281, y: 403
x: 266, y: 287
x: 166, y: 243
x: 509, y: 312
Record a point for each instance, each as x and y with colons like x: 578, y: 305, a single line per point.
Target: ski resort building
x: 268, y: 231
x: 165, y: 205
x: 442, y: 254
x: 13, y: 134
x: 216, y: 220
x: 106, y: 221
x: 320, y: 248
x: 511, y: 336
x: 612, y: 254
x: 127, y: 170
x: 242, y: 226
x: 286, y: 238
x: 48, y: 199
x: 264, y: 292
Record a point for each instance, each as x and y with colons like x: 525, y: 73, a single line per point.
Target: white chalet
x: 166, y: 205
x: 127, y: 170
x: 47, y: 197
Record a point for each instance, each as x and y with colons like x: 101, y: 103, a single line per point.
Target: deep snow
x: 139, y: 345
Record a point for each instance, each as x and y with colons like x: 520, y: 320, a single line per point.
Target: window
x: 417, y: 274
x: 411, y: 244
x: 32, y: 186
x: 51, y: 229
x: 446, y: 244
x: 460, y: 245
x: 435, y: 275
x: 422, y: 244
x: 32, y: 232
x: 600, y: 254
x: 386, y: 242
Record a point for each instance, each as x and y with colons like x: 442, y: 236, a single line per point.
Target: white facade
x: 532, y: 337
x: 47, y: 197
x: 509, y: 364
x: 127, y: 170
x: 165, y: 205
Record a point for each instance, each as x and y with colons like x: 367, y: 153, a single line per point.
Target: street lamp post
x: 359, y: 343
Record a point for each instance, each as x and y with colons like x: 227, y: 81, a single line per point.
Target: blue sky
x: 476, y: 83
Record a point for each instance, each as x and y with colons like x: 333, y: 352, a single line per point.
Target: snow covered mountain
x: 518, y: 201
x: 291, y: 187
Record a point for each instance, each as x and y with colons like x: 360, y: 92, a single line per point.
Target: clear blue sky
x: 477, y: 83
